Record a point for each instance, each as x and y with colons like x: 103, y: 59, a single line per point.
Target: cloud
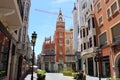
x: 61, y: 1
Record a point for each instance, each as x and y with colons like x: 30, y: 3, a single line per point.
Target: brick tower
x: 59, y: 38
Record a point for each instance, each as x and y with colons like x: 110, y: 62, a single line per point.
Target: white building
x: 87, y: 34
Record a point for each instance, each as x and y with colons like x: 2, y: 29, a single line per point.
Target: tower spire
x: 60, y: 15
x: 75, y: 6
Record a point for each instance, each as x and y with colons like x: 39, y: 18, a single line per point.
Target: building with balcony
x: 8, y: 35
x: 12, y: 14
x: 86, y: 35
x: 107, y: 17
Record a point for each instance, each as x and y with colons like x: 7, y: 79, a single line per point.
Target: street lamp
x: 98, y: 59
x: 33, y: 41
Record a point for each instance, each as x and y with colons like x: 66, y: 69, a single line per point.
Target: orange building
x: 107, y: 14
x: 69, y: 54
x: 62, y: 49
x: 59, y: 38
x: 48, y: 55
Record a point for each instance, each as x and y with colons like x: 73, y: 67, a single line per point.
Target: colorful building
x: 12, y: 20
x: 47, y: 57
x: 98, y: 27
x: 86, y: 35
x: 107, y: 14
x: 63, y: 56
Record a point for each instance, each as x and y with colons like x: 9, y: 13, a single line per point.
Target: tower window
x: 83, y: 32
x: 84, y: 46
x: 90, y: 41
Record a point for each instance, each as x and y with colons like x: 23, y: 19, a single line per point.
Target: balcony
x: 90, y: 14
x: 10, y: 13
x: 88, y: 52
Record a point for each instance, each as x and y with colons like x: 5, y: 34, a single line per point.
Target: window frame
x: 100, y: 24
x: 112, y: 32
x: 116, y: 8
x: 105, y: 32
x: 99, y: 7
x: 107, y: 13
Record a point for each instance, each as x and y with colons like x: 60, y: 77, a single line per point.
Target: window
x: 84, y: 5
x: 93, y: 23
x: 103, y: 39
x: 80, y: 33
x: 94, y: 37
x: 67, y: 42
x: 116, y: 32
x: 91, y: 7
x: 100, y: 21
x: 108, y: 13
x: 83, y: 32
x: 60, y: 42
x: 98, y: 6
x: 84, y: 46
x: 19, y: 36
x: 26, y: 11
x: 15, y: 31
x: 13, y: 49
x: 90, y: 42
x: 78, y: 29
x: 4, y: 54
x: 114, y: 8
x: 89, y: 25
x: 87, y: 30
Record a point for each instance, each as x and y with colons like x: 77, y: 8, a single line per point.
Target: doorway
x: 119, y: 68
x: 60, y: 67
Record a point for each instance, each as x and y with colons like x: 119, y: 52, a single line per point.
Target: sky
x: 44, y: 24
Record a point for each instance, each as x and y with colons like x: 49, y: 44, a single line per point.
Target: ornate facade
x: 63, y: 47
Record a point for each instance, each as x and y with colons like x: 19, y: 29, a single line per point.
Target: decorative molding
x: 6, y: 12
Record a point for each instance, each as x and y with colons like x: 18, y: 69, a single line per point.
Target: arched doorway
x: 117, y: 66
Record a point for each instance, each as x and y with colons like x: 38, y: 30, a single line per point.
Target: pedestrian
x: 80, y: 75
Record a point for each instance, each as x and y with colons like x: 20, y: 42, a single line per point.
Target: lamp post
x: 33, y: 41
x: 97, y: 59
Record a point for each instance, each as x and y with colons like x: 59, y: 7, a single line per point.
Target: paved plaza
x: 59, y: 76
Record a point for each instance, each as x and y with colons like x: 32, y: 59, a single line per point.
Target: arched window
x: 83, y: 32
